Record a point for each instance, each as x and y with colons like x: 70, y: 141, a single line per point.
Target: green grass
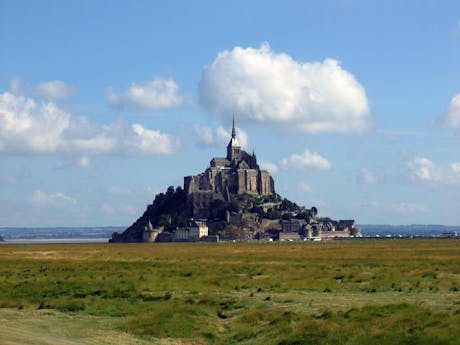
x: 357, y: 292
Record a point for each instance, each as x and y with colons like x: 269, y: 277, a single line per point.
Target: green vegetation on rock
x: 168, y: 209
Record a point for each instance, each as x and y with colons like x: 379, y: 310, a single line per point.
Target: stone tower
x: 233, y: 147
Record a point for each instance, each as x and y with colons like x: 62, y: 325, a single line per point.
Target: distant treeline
x: 12, y: 233
x: 407, y: 230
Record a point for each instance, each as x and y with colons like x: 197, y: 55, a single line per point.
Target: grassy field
x: 357, y: 292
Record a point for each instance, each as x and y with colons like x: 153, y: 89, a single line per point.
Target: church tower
x: 233, y: 147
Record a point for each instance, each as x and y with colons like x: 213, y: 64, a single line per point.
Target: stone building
x: 194, y: 231
x: 150, y: 233
x: 237, y: 173
x: 319, y: 228
x: 327, y: 228
x: 292, y: 225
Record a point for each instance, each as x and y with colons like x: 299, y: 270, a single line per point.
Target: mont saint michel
x: 233, y: 199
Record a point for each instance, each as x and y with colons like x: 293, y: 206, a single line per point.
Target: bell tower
x: 233, y: 147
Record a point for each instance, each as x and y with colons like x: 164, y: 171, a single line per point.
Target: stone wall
x: 290, y: 236
x: 199, y: 203
x: 267, y: 185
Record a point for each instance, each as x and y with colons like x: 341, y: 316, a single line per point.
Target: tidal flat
x: 332, y: 292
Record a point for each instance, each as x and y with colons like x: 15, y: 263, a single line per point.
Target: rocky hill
x: 167, y: 209
x: 241, y: 217
x: 234, y: 199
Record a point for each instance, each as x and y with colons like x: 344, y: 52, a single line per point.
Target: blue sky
x: 354, y: 106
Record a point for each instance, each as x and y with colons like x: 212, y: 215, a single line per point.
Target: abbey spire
x: 233, y: 147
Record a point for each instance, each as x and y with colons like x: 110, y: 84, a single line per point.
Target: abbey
x: 232, y: 199
x: 237, y: 173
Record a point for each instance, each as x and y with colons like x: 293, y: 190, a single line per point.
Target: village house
x: 193, y: 231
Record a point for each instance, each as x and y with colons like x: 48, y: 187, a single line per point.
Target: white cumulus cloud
x: 204, y: 136
x: 26, y: 127
x: 142, y: 140
x: 305, y: 161
x: 424, y: 170
x: 259, y: 84
x: 58, y: 199
x: 451, y: 117
x: 55, y: 89
x: 157, y: 94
